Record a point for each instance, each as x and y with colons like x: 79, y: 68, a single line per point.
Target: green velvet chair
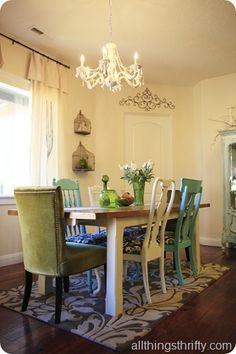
x: 181, y: 236
x: 72, y: 198
x: 45, y: 252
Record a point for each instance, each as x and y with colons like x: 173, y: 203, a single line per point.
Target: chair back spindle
x: 72, y: 199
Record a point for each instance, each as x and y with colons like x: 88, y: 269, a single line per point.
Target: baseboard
x: 9, y: 259
x: 208, y: 241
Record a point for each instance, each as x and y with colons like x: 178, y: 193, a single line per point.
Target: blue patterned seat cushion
x: 169, y: 237
x: 100, y: 238
x: 133, y: 244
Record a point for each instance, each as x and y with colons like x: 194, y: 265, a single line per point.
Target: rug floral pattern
x: 83, y: 314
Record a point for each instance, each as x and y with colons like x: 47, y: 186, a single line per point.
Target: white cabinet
x: 229, y: 174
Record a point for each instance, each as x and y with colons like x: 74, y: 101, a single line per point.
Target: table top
x: 93, y: 213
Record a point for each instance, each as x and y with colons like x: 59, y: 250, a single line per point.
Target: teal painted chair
x: 45, y: 252
x: 182, y: 235
x: 72, y: 198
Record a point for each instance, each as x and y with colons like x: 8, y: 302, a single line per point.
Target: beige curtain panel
x: 48, y: 85
x: 48, y: 72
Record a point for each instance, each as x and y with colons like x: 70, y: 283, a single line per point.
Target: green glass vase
x: 108, y: 197
x: 138, y: 193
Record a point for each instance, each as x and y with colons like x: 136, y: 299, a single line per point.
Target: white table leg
x: 114, y: 296
x: 45, y: 285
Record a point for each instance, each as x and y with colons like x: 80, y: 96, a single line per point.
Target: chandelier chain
x: 110, y: 19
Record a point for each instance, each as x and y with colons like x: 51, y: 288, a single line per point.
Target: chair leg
x: 137, y: 266
x: 125, y: 269
x: 146, y: 282
x: 66, y: 282
x: 58, y: 299
x: 178, y: 267
x: 192, y: 261
x: 174, y: 267
x: 162, y: 274
x: 187, y: 254
x: 27, y: 292
x: 99, y: 282
x: 105, y: 276
x: 90, y: 280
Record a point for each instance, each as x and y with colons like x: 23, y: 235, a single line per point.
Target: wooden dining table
x: 114, y: 220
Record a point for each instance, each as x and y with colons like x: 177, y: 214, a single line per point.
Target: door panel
x: 149, y: 137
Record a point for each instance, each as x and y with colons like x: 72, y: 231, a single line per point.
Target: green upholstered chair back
x: 72, y: 199
x: 191, y: 191
x: 70, y: 191
x: 41, y: 217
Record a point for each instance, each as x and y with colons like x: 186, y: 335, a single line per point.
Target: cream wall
x: 109, y: 130
x: 193, y: 134
x: 78, y: 98
x: 211, y: 99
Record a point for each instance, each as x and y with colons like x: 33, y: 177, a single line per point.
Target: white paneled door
x: 149, y: 137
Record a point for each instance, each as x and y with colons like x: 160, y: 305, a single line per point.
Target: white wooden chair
x: 94, y: 192
x: 152, y: 244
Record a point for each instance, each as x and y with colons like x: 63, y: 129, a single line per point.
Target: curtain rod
x: 36, y: 51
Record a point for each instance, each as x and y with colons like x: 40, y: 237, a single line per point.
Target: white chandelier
x: 2, y: 2
x: 233, y: 2
x: 110, y: 71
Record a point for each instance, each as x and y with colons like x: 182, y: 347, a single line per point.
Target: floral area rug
x: 83, y: 314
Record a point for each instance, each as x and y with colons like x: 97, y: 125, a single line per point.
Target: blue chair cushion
x: 134, y: 231
x: 100, y: 238
x: 169, y: 237
x: 133, y: 245
x: 97, y: 238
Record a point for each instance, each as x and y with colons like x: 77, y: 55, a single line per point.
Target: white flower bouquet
x: 134, y: 174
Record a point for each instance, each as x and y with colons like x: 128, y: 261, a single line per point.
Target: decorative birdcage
x: 82, y: 125
x: 82, y: 159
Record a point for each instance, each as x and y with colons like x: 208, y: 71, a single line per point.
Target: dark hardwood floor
x: 208, y: 317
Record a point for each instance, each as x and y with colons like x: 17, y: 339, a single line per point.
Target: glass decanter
x: 108, y: 197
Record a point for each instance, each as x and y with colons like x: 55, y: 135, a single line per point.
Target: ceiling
x: 180, y: 42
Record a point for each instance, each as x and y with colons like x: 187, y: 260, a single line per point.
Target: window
x: 15, y: 134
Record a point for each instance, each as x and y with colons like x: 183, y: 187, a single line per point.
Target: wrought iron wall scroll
x: 147, y: 101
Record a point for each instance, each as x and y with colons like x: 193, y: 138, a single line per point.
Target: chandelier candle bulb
x: 136, y: 57
x: 82, y: 60
x: 104, y: 52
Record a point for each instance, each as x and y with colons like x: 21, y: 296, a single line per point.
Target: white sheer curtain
x: 49, y: 83
x: 14, y: 123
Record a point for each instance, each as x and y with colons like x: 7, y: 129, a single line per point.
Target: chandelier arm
x: 89, y: 74
x: 129, y: 73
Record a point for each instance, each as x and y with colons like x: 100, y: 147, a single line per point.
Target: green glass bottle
x: 104, y: 199
x: 108, y: 197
